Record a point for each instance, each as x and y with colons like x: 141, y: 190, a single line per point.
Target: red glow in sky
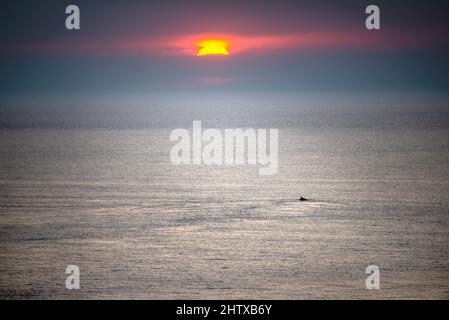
x: 187, y: 45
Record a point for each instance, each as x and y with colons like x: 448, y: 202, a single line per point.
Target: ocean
x: 88, y: 181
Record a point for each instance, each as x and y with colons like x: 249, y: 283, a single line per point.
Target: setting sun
x: 213, y: 47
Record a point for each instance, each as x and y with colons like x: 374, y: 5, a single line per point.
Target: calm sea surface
x: 88, y: 181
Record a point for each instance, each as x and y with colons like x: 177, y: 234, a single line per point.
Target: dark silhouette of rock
x: 302, y: 199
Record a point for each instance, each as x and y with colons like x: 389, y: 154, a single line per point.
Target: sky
x: 274, y: 46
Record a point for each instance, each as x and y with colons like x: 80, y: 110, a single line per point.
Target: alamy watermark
x: 373, y: 280
x: 72, y: 22
x: 233, y: 146
x: 73, y: 280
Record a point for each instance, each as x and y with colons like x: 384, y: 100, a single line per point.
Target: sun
x: 213, y: 47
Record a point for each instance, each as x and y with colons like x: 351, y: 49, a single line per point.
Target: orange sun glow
x: 215, y: 47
